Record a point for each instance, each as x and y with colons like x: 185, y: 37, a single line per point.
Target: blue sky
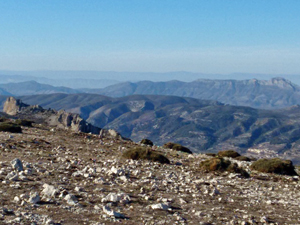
x: 211, y: 36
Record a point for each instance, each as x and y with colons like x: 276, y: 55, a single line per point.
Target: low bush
x: 147, y: 142
x: 145, y: 154
x: 228, y: 153
x: 177, y: 147
x: 10, y: 127
x: 222, y: 165
x: 211, y: 154
x: 243, y: 158
x: 276, y: 165
x: 215, y: 164
x: 26, y: 123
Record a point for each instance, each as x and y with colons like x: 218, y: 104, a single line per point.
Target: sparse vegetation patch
x: 276, y: 165
x: 147, y: 142
x: 10, y: 127
x: 145, y: 154
x: 222, y: 165
x: 26, y: 123
x: 228, y: 153
x: 177, y: 147
x: 211, y: 154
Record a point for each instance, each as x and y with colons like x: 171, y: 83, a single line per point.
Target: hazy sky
x: 209, y: 36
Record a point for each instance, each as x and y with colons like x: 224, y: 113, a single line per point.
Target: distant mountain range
x: 267, y: 94
x: 59, y: 81
x: 122, y: 76
x: 202, y: 125
x: 32, y: 88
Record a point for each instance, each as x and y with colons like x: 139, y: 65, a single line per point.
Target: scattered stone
x: 160, y: 206
x: 71, y: 199
x: 17, y: 165
x: 34, y: 198
x: 113, y: 213
x: 49, y: 191
x: 12, y: 176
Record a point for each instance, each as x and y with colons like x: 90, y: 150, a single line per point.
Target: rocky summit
x: 57, y: 175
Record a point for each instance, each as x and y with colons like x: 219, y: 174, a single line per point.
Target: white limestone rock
x: 71, y: 199
x: 78, y: 189
x: 112, y: 213
x: 117, y: 198
x: 49, y: 191
x: 160, y: 206
x: 34, y: 198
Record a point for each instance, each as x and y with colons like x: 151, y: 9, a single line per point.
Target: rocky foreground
x: 55, y: 176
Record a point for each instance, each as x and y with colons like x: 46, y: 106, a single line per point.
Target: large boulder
x: 12, y: 106
x: 62, y: 119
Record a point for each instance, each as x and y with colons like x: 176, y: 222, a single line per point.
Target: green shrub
x: 177, y: 147
x: 145, y: 154
x: 10, y: 127
x: 211, y: 154
x: 276, y: 165
x: 243, y: 158
x: 228, y: 153
x: 147, y: 142
x: 26, y: 123
x: 215, y: 164
x: 222, y: 165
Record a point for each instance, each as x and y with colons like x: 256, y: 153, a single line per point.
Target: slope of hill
x: 82, y: 104
x: 33, y: 87
x: 55, y: 176
x: 266, y: 94
x: 201, y: 125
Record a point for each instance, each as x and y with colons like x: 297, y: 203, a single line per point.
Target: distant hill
x: 32, y: 88
x: 61, y: 80
x: 264, y: 94
x: 267, y: 94
x: 4, y: 92
x: 202, y: 125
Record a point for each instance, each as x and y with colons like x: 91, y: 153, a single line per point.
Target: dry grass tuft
x: 145, y: 154
x: 10, y: 127
x: 276, y: 165
x: 147, y: 142
x: 228, y: 153
x: 177, y: 147
x: 222, y: 165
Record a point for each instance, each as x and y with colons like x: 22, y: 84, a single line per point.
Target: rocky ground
x: 63, y: 177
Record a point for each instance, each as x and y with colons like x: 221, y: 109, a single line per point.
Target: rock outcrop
x: 60, y: 119
x: 63, y: 119
x: 13, y: 106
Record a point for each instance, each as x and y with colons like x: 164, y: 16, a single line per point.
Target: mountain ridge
x: 33, y: 87
x: 201, y: 125
x: 267, y: 94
